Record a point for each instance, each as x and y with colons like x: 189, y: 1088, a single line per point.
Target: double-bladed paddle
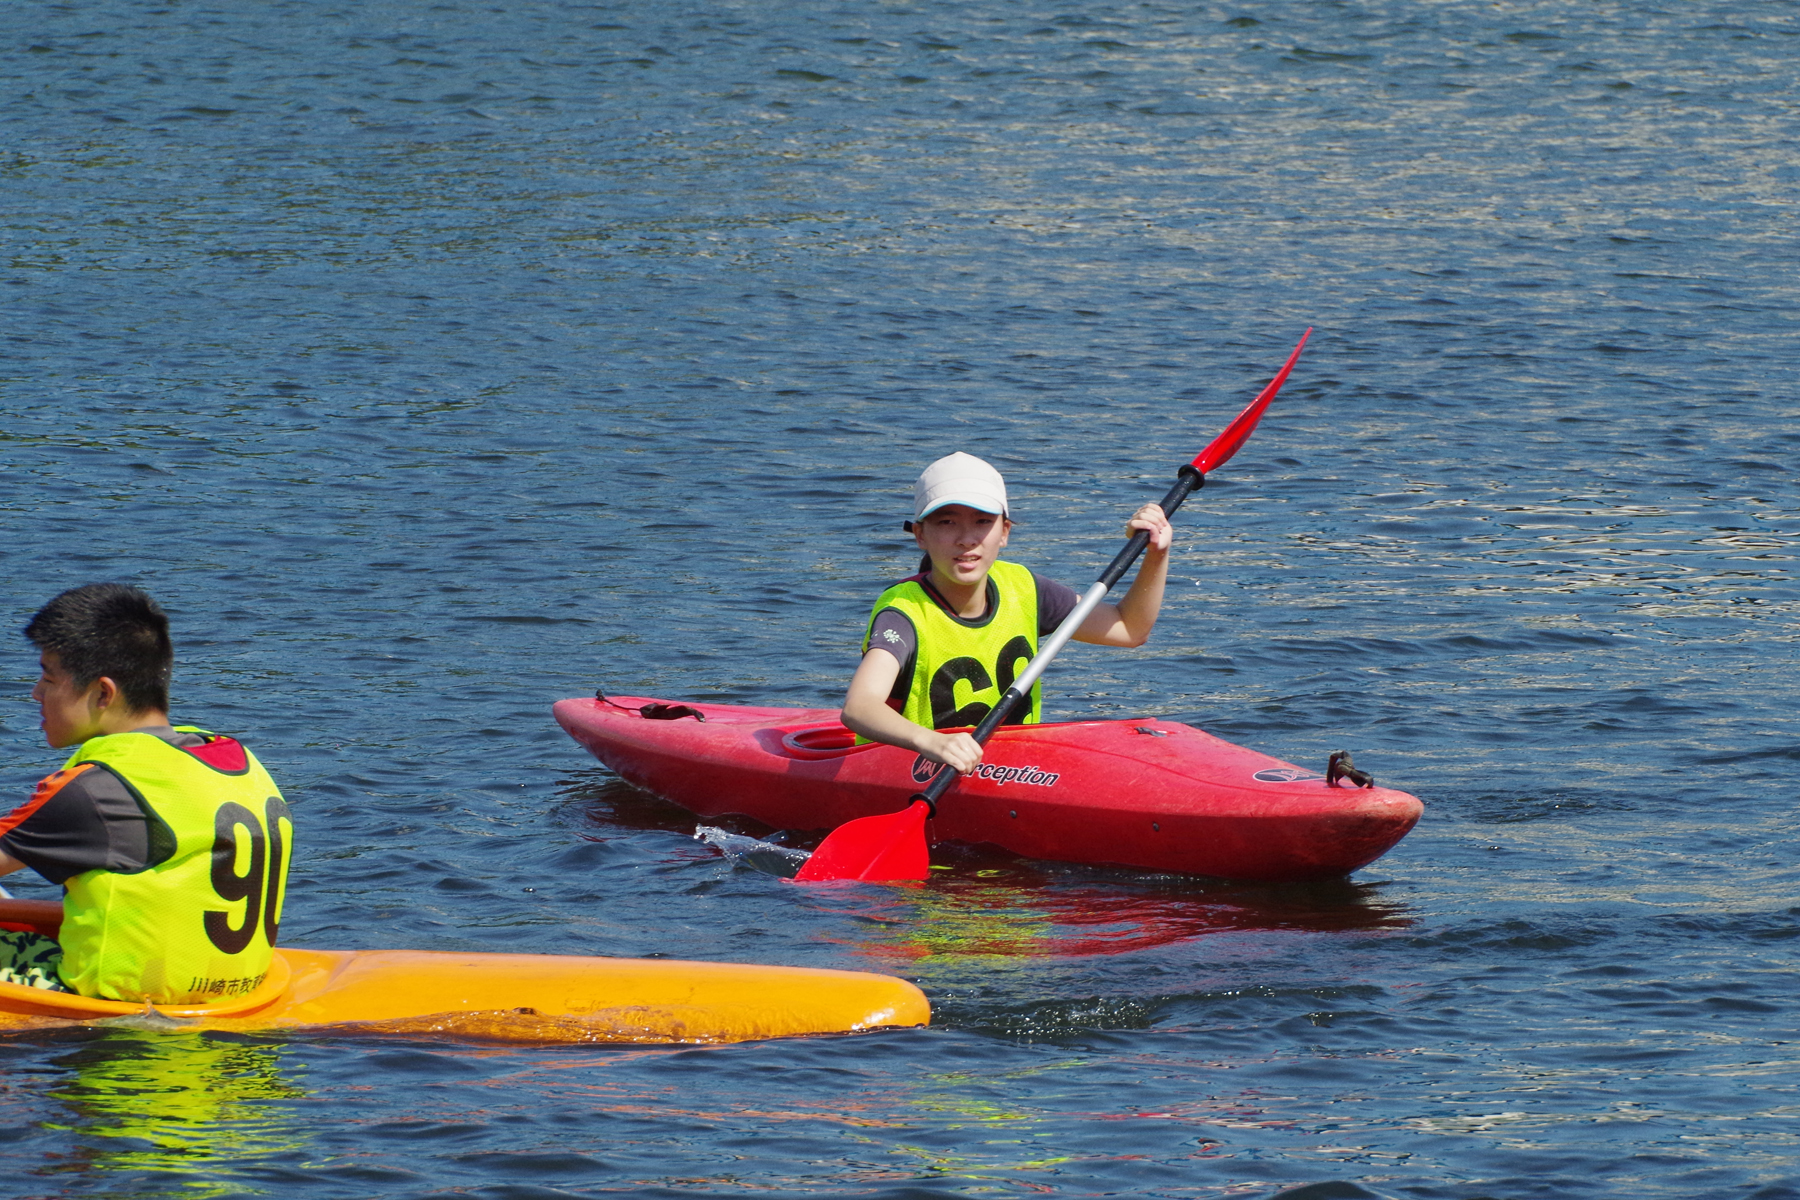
x: 39, y: 914
x: 891, y: 846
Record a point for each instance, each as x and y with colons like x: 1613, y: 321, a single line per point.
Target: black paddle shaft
x: 1188, y: 481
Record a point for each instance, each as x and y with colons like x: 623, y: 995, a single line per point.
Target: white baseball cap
x: 959, y: 479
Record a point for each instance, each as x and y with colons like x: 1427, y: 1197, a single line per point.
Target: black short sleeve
x: 95, y: 822
x: 893, y: 631
x: 1055, y: 602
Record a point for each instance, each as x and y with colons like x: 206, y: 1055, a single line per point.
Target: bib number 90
x: 258, y: 885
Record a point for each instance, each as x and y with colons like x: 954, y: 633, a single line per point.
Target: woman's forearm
x: 879, y: 723
x: 1143, y: 603
x: 874, y: 720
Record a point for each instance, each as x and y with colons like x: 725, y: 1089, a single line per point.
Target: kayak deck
x: 1145, y: 793
x: 512, y: 997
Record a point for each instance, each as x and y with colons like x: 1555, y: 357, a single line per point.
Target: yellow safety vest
x: 963, y: 666
x: 200, y: 922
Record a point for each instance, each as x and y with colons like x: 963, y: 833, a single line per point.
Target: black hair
x: 114, y: 630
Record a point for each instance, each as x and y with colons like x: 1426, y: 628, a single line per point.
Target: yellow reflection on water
x: 193, y: 1105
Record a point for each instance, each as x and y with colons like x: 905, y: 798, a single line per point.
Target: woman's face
x: 963, y: 542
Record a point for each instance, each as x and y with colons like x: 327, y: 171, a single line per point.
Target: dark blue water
x: 435, y: 362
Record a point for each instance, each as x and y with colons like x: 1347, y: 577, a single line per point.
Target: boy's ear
x: 104, y: 692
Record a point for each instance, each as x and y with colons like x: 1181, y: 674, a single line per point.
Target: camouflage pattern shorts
x: 31, y: 959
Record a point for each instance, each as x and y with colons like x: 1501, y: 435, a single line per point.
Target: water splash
x: 748, y: 851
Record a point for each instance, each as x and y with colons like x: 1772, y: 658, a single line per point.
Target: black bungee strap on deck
x: 656, y: 710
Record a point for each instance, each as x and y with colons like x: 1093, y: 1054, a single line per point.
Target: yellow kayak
x: 504, y: 997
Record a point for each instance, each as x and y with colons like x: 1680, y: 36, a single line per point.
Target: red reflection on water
x: 1023, y: 910
x: 986, y: 903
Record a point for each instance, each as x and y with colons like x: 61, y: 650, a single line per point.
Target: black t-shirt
x: 95, y: 821
x: 892, y: 630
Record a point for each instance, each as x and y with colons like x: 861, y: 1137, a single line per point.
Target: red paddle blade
x: 876, y: 849
x: 1239, y: 431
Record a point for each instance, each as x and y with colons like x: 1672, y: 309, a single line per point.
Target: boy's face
x: 69, y: 714
x: 963, y: 542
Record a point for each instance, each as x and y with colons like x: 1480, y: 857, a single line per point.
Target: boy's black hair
x: 114, y: 630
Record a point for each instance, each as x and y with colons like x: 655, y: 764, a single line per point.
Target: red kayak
x: 1145, y: 793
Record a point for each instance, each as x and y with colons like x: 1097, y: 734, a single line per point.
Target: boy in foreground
x: 171, y: 844
x: 942, y: 645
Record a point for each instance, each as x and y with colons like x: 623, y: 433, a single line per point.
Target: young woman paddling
x: 942, y: 645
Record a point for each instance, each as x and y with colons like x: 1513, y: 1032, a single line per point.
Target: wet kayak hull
x: 510, y: 997
x: 1151, y: 794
